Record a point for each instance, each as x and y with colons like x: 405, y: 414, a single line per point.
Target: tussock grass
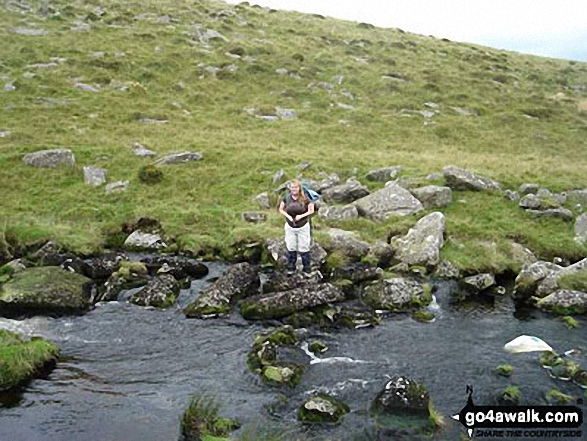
x: 517, y: 132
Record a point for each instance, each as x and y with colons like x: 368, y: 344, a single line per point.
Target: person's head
x: 295, y: 189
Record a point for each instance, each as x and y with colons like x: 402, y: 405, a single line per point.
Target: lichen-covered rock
x: 345, y: 193
x: 49, y: 158
x: 279, y: 281
x: 421, y: 246
x: 102, y: 267
x: 348, y: 244
x: 381, y: 253
x: 387, y: 202
x: 560, y: 213
x: 129, y: 275
x: 384, y: 174
x: 161, y: 292
x: 528, y: 188
x: 282, y: 304
x: 529, y: 278
x: 564, y: 302
x: 254, y: 217
x: 46, y: 290
x: 581, y: 229
x: 521, y: 255
x: 241, y: 280
x: 433, y: 196
x: 550, y: 283
x: 336, y: 213
x: 322, y: 408
x: 262, y: 199
x: 397, y: 294
x: 144, y: 241
x: 180, y: 267
x: 446, y: 270
x: 94, y: 176
x: 461, y: 179
x: 179, y: 158
x: 402, y: 395
x: 326, y: 183
x: 356, y: 272
x: 478, y: 283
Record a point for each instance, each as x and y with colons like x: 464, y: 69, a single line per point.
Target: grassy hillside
x: 511, y: 117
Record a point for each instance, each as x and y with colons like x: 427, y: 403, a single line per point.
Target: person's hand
x: 291, y: 219
x: 295, y: 219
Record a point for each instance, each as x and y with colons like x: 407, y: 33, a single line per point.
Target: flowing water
x: 127, y: 373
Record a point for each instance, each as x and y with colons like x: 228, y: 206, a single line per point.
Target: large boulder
x: 477, y: 284
x: 521, y: 255
x: 279, y: 281
x: 337, y: 213
x: 402, y: 395
x: 129, y: 275
x: 397, y: 294
x: 384, y: 174
x: 46, y: 290
x: 530, y: 277
x: 550, y: 283
x: 348, y: 244
x: 322, y: 408
x: 565, y: 302
x: 433, y: 196
x: 345, y: 193
x: 179, y: 158
x: 581, y: 229
x: 49, y: 158
x: 560, y: 213
x: 421, y: 246
x: 461, y: 179
x: 241, y: 280
x: 282, y: 304
x: 356, y: 272
x: 161, y: 292
x: 387, y: 202
x: 326, y: 183
x: 139, y: 240
x: 278, y: 252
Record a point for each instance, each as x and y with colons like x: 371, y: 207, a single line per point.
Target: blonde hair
x: 302, y: 195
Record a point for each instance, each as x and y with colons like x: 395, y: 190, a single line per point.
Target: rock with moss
x: 103, y: 266
x: 356, y: 272
x: 50, y: 254
x: 264, y: 350
x: 337, y: 213
x: 46, y: 290
x: 422, y: 244
x: 423, y: 316
x: 279, y: 281
x: 510, y: 396
x: 282, y: 304
x: 160, y: 292
x: 446, y: 270
x: 345, y: 193
x: 388, y: 202
x: 282, y: 374
x: 564, y: 302
x: 181, y: 267
x: 23, y: 360
x: 505, y: 370
x: 384, y: 174
x: 381, y: 253
x: 530, y: 277
x: 521, y: 256
x: 461, y: 179
x: 477, y: 284
x: 150, y: 174
x: 128, y: 276
x: 433, y: 196
x: 580, y: 378
x: 201, y: 421
x: 317, y: 347
x: 581, y: 229
x: 570, y: 322
x: 239, y: 281
x: 348, y: 244
x: 322, y: 408
x: 555, y: 396
x: 402, y: 396
x: 397, y: 294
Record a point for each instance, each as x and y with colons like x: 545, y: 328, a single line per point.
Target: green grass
x: 574, y: 282
x: 20, y: 360
x: 201, y: 421
x: 200, y: 203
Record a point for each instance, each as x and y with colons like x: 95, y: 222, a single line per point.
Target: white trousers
x: 297, y: 239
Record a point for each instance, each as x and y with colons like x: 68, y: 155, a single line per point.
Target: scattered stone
x: 117, y: 187
x: 381, y: 252
x: 30, y: 32
x: 387, y: 202
x: 322, y: 409
x: 153, y: 120
x: 446, y: 270
x: 565, y: 302
x: 478, y: 283
x: 462, y: 111
x: 347, y: 94
x: 345, y: 106
x: 529, y: 189
x: 4, y: 133
x: 254, y: 217
x: 397, y: 294
x: 384, y: 174
x: 280, y: 281
x: 179, y: 158
x: 325, y: 183
x: 145, y: 241
x: 278, y: 176
x: 581, y: 228
x: 433, y: 196
x: 335, y: 213
x: 239, y: 281
x: 9, y: 87
x: 211, y: 34
x: 86, y: 87
x: 50, y: 158
x: 282, y: 304
x: 286, y: 113
x: 530, y: 277
x: 345, y: 193
x: 262, y: 200
x: 431, y: 105
x: 561, y: 213
x: 533, y: 201
x: 348, y: 243
x: 269, y: 118
x: 356, y: 272
x: 461, y: 179
x: 94, y: 176
x: 522, y: 255
x: 140, y: 150
x: 161, y: 292
x: 434, y: 177
x: 512, y: 195
x: 421, y: 246
x: 282, y: 71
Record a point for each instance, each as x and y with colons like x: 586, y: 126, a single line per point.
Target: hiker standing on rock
x: 296, y: 208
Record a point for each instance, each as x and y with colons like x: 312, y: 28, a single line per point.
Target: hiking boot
x: 306, y: 262
x: 292, y: 258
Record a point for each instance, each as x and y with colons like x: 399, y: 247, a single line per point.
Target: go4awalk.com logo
x: 540, y: 422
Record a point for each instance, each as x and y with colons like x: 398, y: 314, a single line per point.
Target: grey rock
x: 382, y: 252
x: 530, y: 277
x: 278, y: 176
x: 336, y: 213
x: 446, y: 270
x: 16, y: 265
x: 387, y: 202
x: 578, y: 197
x: 403, y: 396
x: 262, y: 199
x: 565, y: 301
x: 433, y: 196
x: 30, y: 32
x: 347, y: 94
x: 4, y: 133
x: 116, y: 187
x: 345, y: 106
x: 397, y: 294
x: 9, y: 87
x: 86, y: 87
x: 254, y: 217
x: 561, y: 213
x: 153, y: 121
x: 356, y: 272
x: 161, y: 292
x: 345, y: 193
x: 421, y: 246
x: 531, y: 201
x: 94, y: 176
x: 286, y: 113
x: 512, y: 195
x: 269, y: 118
x: 50, y: 158
x: 462, y: 111
x: 384, y: 174
x: 434, y: 176
x: 324, y: 184
x: 322, y: 409
x: 348, y: 243
x: 211, y: 34
x: 141, y: 150
x: 461, y: 179
x: 528, y: 188
x: 280, y: 281
x: 282, y: 71
x: 282, y: 304
x: 544, y: 193
x: 581, y: 228
x: 179, y: 158
x: 522, y: 255
x: 144, y: 241
x: 478, y: 283
x: 81, y: 27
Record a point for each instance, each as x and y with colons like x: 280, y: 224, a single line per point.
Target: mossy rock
x: 555, y: 396
x: 282, y: 374
x: 570, y: 322
x: 22, y: 360
x: 317, y: 347
x: 280, y: 336
x: 423, y: 316
x: 150, y: 174
x: 505, y: 370
x: 47, y: 290
x: 264, y: 350
x: 580, y: 378
x: 200, y: 421
x: 509, y: 396
x: 322, y: 408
